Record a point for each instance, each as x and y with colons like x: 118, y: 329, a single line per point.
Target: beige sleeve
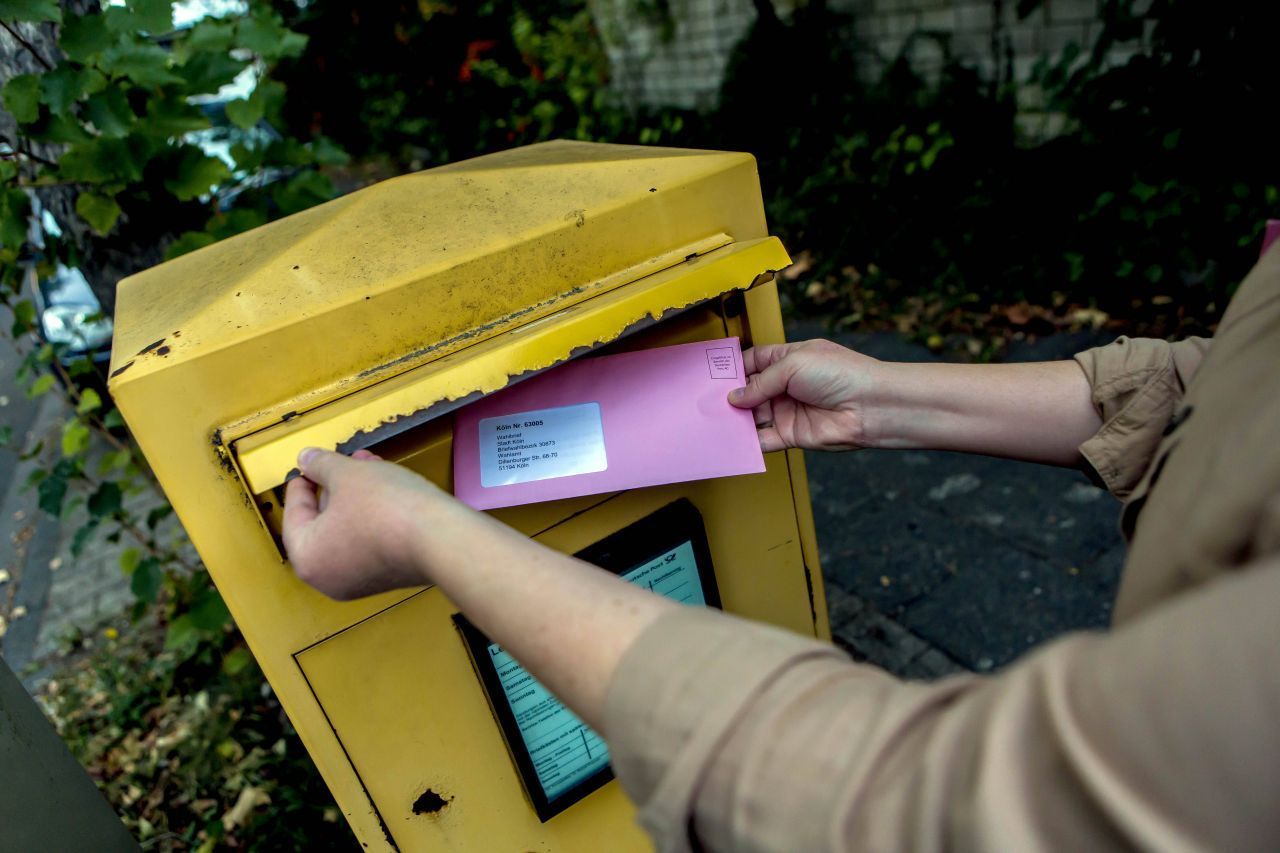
x: 1137, y: 385
x: 1161, y: 735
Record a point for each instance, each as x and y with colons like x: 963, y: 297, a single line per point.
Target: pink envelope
x: 1271, y: 235
x: 605, y: 424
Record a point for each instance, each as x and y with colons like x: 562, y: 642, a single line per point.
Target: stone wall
x: 678, y: 59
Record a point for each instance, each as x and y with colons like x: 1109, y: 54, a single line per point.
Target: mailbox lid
x: 403, y: 270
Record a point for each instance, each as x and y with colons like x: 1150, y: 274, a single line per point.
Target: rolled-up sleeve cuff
x: 675, y: 697
x: 1136, y: 383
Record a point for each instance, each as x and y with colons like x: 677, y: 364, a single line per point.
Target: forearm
x: 566, y: 621
x: 1038, y: 412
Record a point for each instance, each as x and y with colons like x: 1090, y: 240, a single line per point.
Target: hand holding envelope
x: 605, y: 424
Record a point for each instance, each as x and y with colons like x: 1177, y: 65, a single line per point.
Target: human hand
x: 812, y: 394
x: 355, y: 526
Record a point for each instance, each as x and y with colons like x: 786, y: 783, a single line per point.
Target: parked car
x: 70, y: 316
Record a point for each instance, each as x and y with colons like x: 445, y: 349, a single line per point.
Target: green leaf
x: 266, y: 35
x: 107, y: 463
x: 303, y: 190
x: 129, y: 559
x: 75, y: 438
x: 102, y: 161
x: 113, y: 419
x: 145, y: 580
x: 288, y: 152
x: 157, y: 515
x: 172, y: 117
x: 84, y: 37
x: 80, y: 367
x: 64, y: 130
x: 152, y: 16
x: 209, y: 612
x: 327, y: 152
x: 34, y: 11
x: 90, y: 401
x: 24, y: 316
x: 100, y: 211
x: 211, y: 35
x: 235, y: 661
x: 22, y: 97
x: 65, y: 85
x: 271, y: 94
x: 194, y: 173
x: 246, y: 112
x: 291, y: 45
x: 248, y: 158
x: 188, y: 242
x: 182, y: 634
x: 42, y: 385
x: 82, y: 537
x: 110, y: 113
x: 1143, y: 192
x: 6, y: 435
x: 15, y: 208
x: 145, y: 64
x: 51, y: 492
x: 235, y: 221
x: 208, y: 72
x: 106, y: 500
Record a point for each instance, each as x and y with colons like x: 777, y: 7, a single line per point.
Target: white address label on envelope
x: 541, y: 444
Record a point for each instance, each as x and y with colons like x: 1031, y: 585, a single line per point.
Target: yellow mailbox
x: 366, y: 322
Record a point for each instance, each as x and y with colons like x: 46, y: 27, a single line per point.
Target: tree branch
x: 16, y: 150
x: 36, y: 157
x: 28, y: 45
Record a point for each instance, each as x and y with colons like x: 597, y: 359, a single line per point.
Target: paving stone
x: 868, y: 635
x: 930, y: 665
x: 986, y: 616
x: 892, y: 555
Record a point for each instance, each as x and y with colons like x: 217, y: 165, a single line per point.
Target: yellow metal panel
x: 408, y: 265
x: 266, y: 457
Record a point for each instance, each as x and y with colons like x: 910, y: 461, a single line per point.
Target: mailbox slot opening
x: 428, y: 447
x: 386, y: 419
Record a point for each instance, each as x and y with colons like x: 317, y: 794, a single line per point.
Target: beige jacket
x: 1162, y: 734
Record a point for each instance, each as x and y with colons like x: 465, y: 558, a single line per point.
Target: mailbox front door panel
x: 417, y: 725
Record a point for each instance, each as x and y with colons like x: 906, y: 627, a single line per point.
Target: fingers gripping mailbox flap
x: 267, y: 458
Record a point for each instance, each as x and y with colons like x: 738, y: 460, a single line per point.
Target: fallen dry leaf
x: 801, y: 265
x: 250, y: 798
